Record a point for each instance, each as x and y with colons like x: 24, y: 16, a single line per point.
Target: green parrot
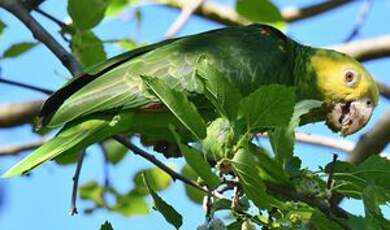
x: 113, y: 98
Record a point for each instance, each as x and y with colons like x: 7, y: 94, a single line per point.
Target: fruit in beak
x: 349, y: 117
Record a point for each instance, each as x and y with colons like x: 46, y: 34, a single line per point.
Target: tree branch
x: 372, y: 142
x: 42, y: 35
x: 229, y: 17
x: 323, y: 141
x: 333, y: 212
x: 73, y: 207
x: 156, y: 162
x: 292, y: 14
x: 186, y: 12
x: 15, y: 114
x: 26, y: 86
x: 366, y: 49
x: 384, y: 89
x: 149, y: 157
x: 16, y: 149
x: 361, y: 18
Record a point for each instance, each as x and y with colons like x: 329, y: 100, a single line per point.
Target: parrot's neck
x: 306, y: 83
x: 305, y: 77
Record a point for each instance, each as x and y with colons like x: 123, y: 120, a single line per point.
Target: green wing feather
x: 104, y: 102
x: 243, y: 54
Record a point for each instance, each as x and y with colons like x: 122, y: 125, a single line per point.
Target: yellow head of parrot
x: 349, y: 91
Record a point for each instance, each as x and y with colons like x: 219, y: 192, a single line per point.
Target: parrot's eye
x: 350, y: 77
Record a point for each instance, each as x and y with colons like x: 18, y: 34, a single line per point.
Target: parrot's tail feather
x: 70, y: 139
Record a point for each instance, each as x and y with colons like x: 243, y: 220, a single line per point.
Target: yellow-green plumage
x: 105, y: 102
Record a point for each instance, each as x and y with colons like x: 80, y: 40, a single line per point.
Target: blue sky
x: 42, y: 200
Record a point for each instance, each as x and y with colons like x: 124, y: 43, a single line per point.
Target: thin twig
x: 73, y: 207
x: 162, y: 166
x: 361, y: 18
x: 158, y: 163
x: 182, y: 19
x: 60, y: 23
x: 331, y: 172
x: 41, y: 34
x: 26, y: 86
x: 106, y: 170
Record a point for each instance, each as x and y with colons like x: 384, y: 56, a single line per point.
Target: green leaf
x: 321, y: 222
x: 179, y: 105
x: 106, y: 226
x: 2, y: 27
x: 236, y: 225
x: 18, y: 49
x: 127, y: 44
x: 115, y: 151
x: 69, y: 158
x: 293, y: 166
x: 375, y: 170
x: 158, y: 180
x: 130, y: 205
x: 283, y: 138
x: 117, y: 6
x: 219, y: 140
x: 269, y: 169
x: 269, y: 107
x: 193, y: 194
x: 224, y: 96
x: 373, y: 196
x: 260, y: 11
x: 352, y: 180
x: 87, y: 48
x: 168, y: 212
x: 92, y: 191
x: 86, y: 14
x: 197, y: 162
x: 244, y: 166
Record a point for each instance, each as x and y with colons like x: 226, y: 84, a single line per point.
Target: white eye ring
x: 350, y: 77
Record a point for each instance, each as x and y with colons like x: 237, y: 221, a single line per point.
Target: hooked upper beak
x: 349, y: 117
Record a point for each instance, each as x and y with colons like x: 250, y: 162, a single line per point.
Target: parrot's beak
x: 349, y: 117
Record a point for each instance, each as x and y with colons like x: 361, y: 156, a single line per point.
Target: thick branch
x: 229, y: 17
x: 384, y: 89
x: 16, y: 149
x: 42, y: 35
x: 323, y: 141
x: 366, y: 49
x: 374, y: 141
x: 15, y: 114
x: 333, y: 212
